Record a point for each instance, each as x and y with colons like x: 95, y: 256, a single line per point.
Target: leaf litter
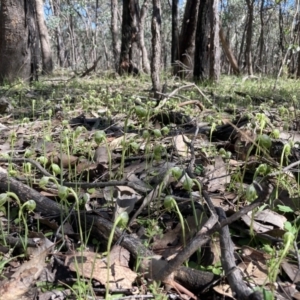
x: 209, y: 160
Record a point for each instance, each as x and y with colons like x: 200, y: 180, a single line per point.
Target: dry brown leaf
x: 291, y: 270
x: 64, y: 160
x: 101, y: 155
x: 27, y: 274
x: 172, y: 241
x: 257, y: 227
x: 116, y: 143
x: 257, y: 272
x: 224, y: 289
x: 85, y: 166
x: 290, y: 136
x: 120, y: 256
x: 89, y: 265
x: 271, y: 217
x: 290, y: 290
x: 180, y: 145
x: 135, y: 168
x: 169, y: 243
x: 220, y: 172
x: 5, y: 147
x: 124, y: 203
x: 134, y: 179
x: 253, y: 254
x: 43, y: 146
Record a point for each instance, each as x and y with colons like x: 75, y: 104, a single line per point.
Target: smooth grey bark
x: 47, y: 62
x: 115, y: 33
x: 214, y: 70
x: 156, y: 47
x: 229, y: 53
x: 145, y: 59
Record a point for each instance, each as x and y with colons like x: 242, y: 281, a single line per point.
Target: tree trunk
x: 47, y: 63
x: 129, y: 51
x: 201, y: 61
x: 240, y: 62
x: 229, y: 54
x: 214, y: 70
x: 187, y: 34
x: 248, y: 55
x: 59, y: 48
x: 59, y: 41
x: 115, y: 33
x: 145, y: 60
x: 71, y: 32
x: 17, y: 40
x: 262, y: 37
x: 156, y: 47
x: 175, y: 32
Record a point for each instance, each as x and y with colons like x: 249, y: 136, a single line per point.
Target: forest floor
x: 192, y: 197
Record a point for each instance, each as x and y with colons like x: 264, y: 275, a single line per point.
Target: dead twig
x: 233, y: 274
x: 89, y: 70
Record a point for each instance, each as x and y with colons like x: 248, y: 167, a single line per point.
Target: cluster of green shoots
x: 29, y: 206
x: 171, y: 204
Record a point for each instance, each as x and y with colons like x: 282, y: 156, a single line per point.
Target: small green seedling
x: 121, y: 221
x: 171, y: 204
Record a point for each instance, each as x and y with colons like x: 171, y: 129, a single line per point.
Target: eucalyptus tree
x: 18, y: 40
x: 248, y: 52
x: 175, y: 31
x: 187, y: 34
x: 214, y: 59
x: 129, y: 56
x: 115, y: 33
x: 144, y: 51
x: 207, y: 50
x: 47, y: 62
x: 156, y: 47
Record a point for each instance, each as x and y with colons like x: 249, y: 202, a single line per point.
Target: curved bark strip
x: 229, y: 54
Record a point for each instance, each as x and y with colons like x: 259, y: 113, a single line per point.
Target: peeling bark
x: 156, y: 47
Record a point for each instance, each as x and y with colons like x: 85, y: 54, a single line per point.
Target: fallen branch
x: 99, y: 226
x: 233, y: 274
